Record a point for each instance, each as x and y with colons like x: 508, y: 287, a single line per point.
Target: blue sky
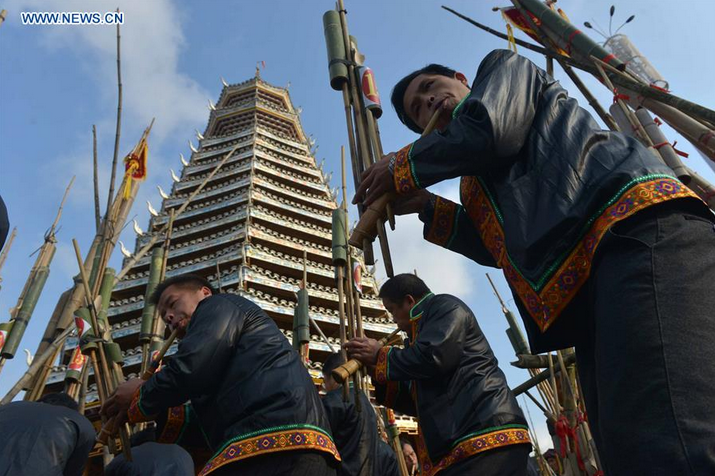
x: 55, y: 82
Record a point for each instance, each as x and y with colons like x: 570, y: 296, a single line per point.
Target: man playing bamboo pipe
x: 447, y: 376
x: 603, y: 248
x: 255, y: 401
x: 355, y: 432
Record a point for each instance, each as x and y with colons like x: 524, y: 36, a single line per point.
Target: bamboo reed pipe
x: 366, y: 229
x: 349, y: 368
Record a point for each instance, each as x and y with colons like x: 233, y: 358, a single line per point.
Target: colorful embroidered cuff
x: 176, y: 420
x: 443, y: 225
x: 381, y: 368
x: 404, y: 174
x: 135, y: 412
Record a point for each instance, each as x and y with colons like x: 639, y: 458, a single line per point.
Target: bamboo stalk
x: 6, y: 248
x: 37, y: 362
x: 621, y: 79
x: 110, y: 195
x: 519, y: 389
x: 544, y: 39
x: 102, y: 375
x: 97, y: 213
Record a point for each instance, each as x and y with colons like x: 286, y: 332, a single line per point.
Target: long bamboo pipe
x: 366, y: 228
x: 349, y: 368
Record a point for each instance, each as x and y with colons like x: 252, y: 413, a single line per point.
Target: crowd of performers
x: 603, y: 248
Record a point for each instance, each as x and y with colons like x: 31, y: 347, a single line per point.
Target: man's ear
x: 461, y: 78
x: 410, y: 301
x: 206, y: 291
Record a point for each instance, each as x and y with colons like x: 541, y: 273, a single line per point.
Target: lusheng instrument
x: 345, y: 371
x: 110, y: 428
x: 366, y: 228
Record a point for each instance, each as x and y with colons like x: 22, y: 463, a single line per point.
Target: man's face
x: 410, y: 456
x: 178, y: 303
x: 428, y: 92
x: 554, y: 464
x: 400, y: 311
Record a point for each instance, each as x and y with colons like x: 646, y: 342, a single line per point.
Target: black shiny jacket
x: 542, y: 160
x: 240, y: 373
x: 355, y: 432
x: 447, y: 376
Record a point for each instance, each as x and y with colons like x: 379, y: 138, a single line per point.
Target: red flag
x: 78, y: 360
x: 135, y: 165
x: 82, y: 326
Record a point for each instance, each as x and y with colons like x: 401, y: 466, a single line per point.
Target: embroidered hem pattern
x: 295, y: 439
x: 176, y: 421
x: 135, y: 413
x: 505, y: 436
x: 545, y: 304
x: 405, y: 180
x: 444, y: 222
x: 383, y: 357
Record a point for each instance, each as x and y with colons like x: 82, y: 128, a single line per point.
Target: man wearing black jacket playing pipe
x: 355, y: 431
x: 448, y: 377
x: 255, y: 401
x: 603, y: 247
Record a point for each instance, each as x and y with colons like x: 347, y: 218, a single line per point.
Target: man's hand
x: 120, y: 401
x: 363, y: 349
x: 375, y: 182
x: 412, y: 203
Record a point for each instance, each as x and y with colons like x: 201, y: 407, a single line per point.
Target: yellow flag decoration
x: 135, y: 165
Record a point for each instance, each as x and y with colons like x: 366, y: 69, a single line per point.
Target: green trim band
x: 417, y: 304
x: 459, y: 106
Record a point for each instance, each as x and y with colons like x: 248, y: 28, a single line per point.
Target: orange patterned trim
x: 306, y: 438
x: 176, y: 420
x: 444, y: 222
x: 381, y: 367
x: 545, y: 303
x: 489, y: 439
x: 404, y: 177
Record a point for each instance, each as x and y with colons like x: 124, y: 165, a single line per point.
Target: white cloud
x: 153, y: 87
x: 151, y: 43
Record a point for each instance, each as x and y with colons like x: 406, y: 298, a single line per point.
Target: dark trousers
x: 505, y: 461
x: 647, y: 358
x: 290, y: 463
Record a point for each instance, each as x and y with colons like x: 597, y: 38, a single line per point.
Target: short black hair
x: 398, y: 287
x: 398, y: 92
x: 333, y: 361
x: 192, y: 281
x: 60, y: 399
